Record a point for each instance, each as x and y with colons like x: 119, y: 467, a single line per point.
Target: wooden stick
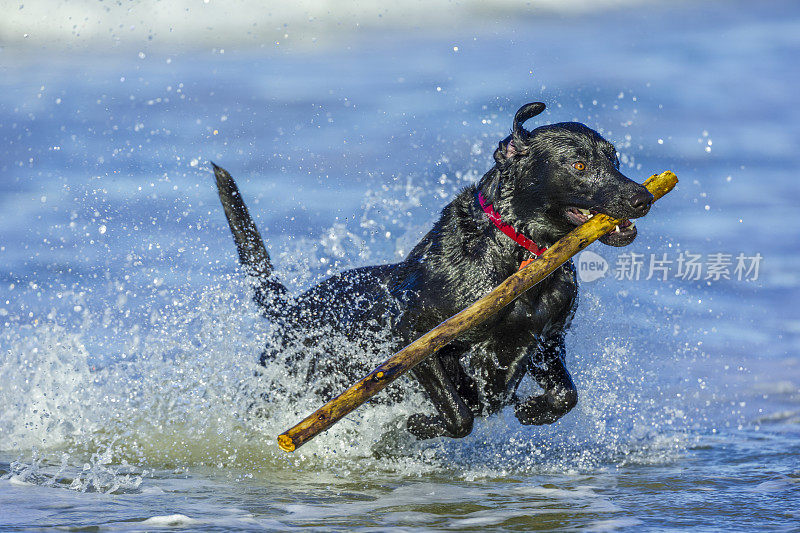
x: 428, y: 344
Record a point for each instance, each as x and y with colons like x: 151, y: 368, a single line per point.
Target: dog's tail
x: 252, y: 253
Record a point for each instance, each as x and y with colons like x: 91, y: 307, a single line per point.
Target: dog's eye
x: 579, y: 165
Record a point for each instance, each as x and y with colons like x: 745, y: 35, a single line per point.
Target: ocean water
x: 129, y: 341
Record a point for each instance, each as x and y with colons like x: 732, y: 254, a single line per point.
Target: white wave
x: 186, y: 22
x: 173, y: 520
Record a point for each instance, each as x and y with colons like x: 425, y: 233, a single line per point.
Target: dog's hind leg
x: 252, y: 253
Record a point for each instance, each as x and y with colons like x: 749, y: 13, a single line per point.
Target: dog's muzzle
x: 621, y: 235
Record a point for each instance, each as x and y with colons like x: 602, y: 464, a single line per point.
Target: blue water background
x: 345, y: 153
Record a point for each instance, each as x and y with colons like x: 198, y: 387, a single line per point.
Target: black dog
x: 544, y: 183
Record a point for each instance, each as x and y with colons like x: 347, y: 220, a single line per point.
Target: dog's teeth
x: 616, y: 229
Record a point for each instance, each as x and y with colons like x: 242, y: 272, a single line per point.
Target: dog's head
x: 556, y: 177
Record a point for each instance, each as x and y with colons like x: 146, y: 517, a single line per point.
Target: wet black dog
x: 544, y: 183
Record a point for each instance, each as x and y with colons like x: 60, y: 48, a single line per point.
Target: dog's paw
x: 425, y: 426
x: 546, y: 408
x: 429, y: 427
x: 395, y: 442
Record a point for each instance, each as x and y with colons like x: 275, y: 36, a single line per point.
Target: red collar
x: 518, y: 238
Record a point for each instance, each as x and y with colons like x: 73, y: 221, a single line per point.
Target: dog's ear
x: 514, y: 143
x: 524, y: 113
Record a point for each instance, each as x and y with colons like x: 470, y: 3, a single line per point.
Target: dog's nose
x: 641, y: 201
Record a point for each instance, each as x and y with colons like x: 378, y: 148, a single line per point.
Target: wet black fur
x: 462, y: 258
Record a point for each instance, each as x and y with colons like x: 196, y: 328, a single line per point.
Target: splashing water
x: 187, y: 391
x: 130, y: 394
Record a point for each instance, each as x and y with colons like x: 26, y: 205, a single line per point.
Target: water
x: 129, y: 342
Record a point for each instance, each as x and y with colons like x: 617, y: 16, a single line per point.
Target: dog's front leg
x: 549, y: 371
x: 454, y: 418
